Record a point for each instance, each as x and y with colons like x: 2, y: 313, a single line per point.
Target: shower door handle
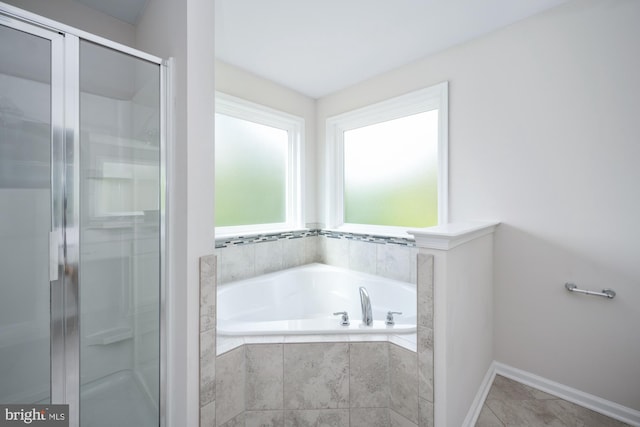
x: 54, y: 255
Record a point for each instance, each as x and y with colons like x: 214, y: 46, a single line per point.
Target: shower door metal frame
x: 65, y: 200
x: 57, y: 184
x: 71, y: 198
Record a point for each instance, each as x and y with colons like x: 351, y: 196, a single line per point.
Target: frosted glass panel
x: 119, y: 239
x: 251, y: 170
x: 391, y: 172
x: 25, y: 216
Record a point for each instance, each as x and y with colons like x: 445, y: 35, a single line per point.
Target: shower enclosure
x: 81, y: 223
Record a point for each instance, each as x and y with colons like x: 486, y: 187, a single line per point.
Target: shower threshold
x: 118, y: 399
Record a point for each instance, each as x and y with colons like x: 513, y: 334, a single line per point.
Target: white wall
x: 469, y: 324
x: 238, y: 82
x: 184, y: 30
x: 543, y: 137
x: 80, y: 16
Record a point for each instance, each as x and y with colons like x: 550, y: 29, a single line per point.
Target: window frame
x: 427, y: 99
x: 295, y: 127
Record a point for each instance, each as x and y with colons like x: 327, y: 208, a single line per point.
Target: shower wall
x: 120, y: 264
x: 107, y: 333
x: 120, y: 207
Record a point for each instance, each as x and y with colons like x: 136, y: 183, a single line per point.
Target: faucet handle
x: 344, y: 320
x: 390, y: 321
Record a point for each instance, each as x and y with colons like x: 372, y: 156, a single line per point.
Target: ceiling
x: 319, y: 47
x: 125, y: 10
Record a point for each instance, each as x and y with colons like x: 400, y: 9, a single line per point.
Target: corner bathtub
x: 302, y: 300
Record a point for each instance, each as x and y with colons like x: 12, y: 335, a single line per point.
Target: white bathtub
x: 302, y: 300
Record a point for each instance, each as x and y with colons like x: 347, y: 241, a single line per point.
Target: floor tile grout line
x: 519, y: 404
x: 496, y: 415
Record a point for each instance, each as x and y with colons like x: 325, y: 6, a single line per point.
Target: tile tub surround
x: 398, y: 260
x: 247, y: 257
x: 316, y: 376
x: 317, y: 384
x: 511, y: 403
x: 264, y: 377
x: 393, y: 258
x: 369, y: 367
x: 208, y: 266
x: 230, y: 387
x: 403, y: 384
x: 250, y: 256
x: 425, y: 329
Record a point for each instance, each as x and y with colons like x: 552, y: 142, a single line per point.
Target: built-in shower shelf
x: 102, y: 178
x: 110, y: 336
x: 119, y: 141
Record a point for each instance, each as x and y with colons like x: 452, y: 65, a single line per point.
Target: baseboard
x: 476, y: 406
x: 595, y: 403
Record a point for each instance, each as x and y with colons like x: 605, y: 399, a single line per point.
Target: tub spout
x: 365, y: 303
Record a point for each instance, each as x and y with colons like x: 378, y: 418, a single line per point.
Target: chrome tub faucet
x: 365, y: 303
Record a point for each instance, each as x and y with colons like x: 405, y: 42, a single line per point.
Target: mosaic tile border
x: 372, y: 238
x: 288, y: 235
x: 257, y: 238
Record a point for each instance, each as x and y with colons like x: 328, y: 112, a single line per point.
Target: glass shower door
x: 81, y: 247
x: 28, y: 248
x: 119, y: 282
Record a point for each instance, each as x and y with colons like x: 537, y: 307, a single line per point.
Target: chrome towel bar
x: 607, y: 293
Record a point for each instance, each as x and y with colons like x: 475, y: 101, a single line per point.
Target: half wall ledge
x: 448, y: 236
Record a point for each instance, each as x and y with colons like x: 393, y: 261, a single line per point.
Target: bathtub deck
x: 228, y: 343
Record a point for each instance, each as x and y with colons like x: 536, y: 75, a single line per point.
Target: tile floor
x: 511, y: 404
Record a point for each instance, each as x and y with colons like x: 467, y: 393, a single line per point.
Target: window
x: 387, y: 164
x: 258, y: 175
